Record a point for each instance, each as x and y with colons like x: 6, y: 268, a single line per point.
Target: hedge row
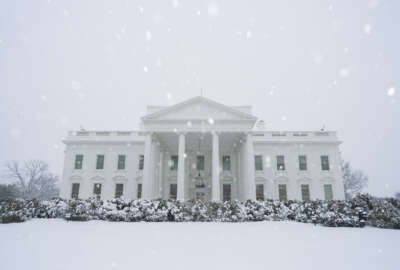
x: 358, y: 212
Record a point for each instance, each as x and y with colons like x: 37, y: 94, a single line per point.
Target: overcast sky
x: 300, y: 64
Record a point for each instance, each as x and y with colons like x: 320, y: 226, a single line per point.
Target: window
x: 258, y: 163
x: 325, y: 163
x: 97, y: 190
x: 302, y: 163
x: 172, y: 191
x: 78, y: 162
x: 260, y: 192
x: 75, y: 191
x: 305, y: 192
x: 328, y: 192
x: 226, y: 192
x: 141, y: 162
x: 282, y: 193
x: 200, y: 163
x: 280, y: 163
x: 226, y: 163
x: 173, y: 166
x: 119, y: 190
x: 100, y: 162
x: 139, y: 191
x: 121, y: 162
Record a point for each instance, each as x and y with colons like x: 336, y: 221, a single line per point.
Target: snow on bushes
x: 358, y: 212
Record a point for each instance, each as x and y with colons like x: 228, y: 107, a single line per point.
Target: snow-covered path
x: 57, y: 244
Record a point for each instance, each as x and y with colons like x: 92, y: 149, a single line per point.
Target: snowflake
x: 391, y: 91
x: 146, y: 69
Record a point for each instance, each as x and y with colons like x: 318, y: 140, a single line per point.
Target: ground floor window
x: 139, y: 191
x: 305, y: 192
x: 328, y: 192
x: 226, y: 192
x: 282, y: 192
x: 119, y: 190
x: 173, y: 188
x: 75, y: 190
x: 97, y: 190
x: 260, y: 192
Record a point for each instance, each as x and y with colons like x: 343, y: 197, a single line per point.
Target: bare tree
x: 8, y: 191
x: 33, y: 179
x: 354, y: 180
x: 397, y: 195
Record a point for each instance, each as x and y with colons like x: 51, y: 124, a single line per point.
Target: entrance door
x: 226, y: 192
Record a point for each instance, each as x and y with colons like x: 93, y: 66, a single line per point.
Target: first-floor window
x: 282, y: 192
x: 97, y: 190
x: 328, y: 192
x: 75, y: 190
x: 78, y: 162
x: 305, y: 192
x: 172, y: 191
x: 260, y: 192
x: 119, y: 190
x: 139, y: 191
x: 141, y: 162
x: 226, y: 192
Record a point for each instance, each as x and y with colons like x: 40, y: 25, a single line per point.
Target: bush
x: 358, y: 212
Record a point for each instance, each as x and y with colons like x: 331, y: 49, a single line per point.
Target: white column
x: 250, y: 179
x: 181, y: 168
x: 161, y: 174
x: 215, y: 168
x: 147, y: 173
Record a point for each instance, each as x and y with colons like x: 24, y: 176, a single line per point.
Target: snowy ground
x: 57, y: 244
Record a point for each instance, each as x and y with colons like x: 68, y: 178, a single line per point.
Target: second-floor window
x: 325, y: 163
x: 226, y: 163
x: 302, y: 163
x: 173, y: 166
x: 121, y: 162
x: 200, y: 163
x: 280, y: 163
x: 258, y: 163
x: 100, y: 162
x: 141, y: 162
x: 78, y: 162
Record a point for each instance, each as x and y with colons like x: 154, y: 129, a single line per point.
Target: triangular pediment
x: 199, y: 108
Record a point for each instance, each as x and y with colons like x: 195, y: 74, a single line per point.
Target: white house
x: 201, y: 149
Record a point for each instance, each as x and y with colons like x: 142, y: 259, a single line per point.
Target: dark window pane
x: 258, y: 163
x: 121, y: 162
x: 302, y: 163
x: 172, y: 191
x: 260, y: 192
x: 200, y: 163
x: 226, y: 163
x: 78, y: 162
x: 100, y: 162
x: 97, y: 190
x: 119, y: 190
x: 173, y: 163
x: 226, y: 192
x: 141, y: 162
x: 305, y: 192
x: 139, y: 191
x: 280, y: 163
x: 328, y: 192
x: 282, y: 193
x: 75, y: 191
x: 325, y: 163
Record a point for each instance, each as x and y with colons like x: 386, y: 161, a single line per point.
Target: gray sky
x: 301, y: 64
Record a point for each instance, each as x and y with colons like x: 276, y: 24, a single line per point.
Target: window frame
x: 260, y: 197
x: 200, y: 160
x: 305, y: 166
x: 330, y: 189
x: 139, y: 191
x: 305, y: 187
x: 282, y: 187
x: 225, y: 196
x: 98, y: 158
x: 97, y: 187
x: 260, y: 164
x: 77, y: 162
x: 141, y: 162
x: 73, y: 191
x: 226, y: 163
x: 173, y: 191
x: 174, y: 162
x: 327, y: 163
x: 280, y: 166
x: 121, y: 161
x: 119, y: 193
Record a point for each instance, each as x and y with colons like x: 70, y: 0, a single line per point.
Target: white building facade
x: 204, y: 150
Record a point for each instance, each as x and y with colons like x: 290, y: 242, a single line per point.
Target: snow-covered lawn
x: 58, y: 244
